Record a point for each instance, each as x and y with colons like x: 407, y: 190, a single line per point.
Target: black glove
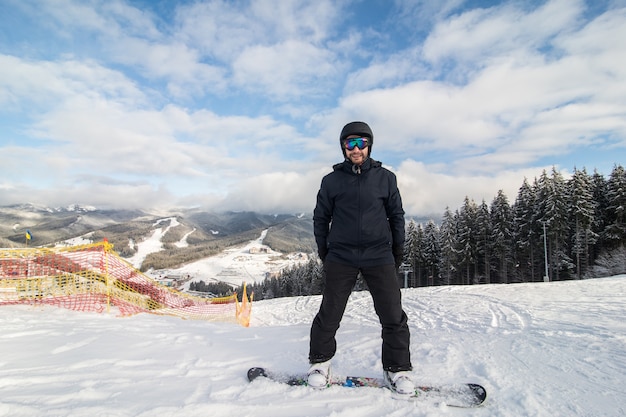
x: 322, y: 252
x: 398, y: 255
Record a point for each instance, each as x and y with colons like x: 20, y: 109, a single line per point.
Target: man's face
x: 356, y: 156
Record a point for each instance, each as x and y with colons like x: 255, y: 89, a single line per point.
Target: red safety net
x: 94, y: 278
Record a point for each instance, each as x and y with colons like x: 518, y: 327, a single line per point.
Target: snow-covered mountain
x: 49, y: 225
x: 188, y: 235
x: 545, y: 349
x: 250, y: 261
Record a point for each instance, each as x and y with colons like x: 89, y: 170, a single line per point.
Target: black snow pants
x: 385, y: 290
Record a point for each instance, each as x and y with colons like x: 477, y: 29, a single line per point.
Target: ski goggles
x: 360, y: 143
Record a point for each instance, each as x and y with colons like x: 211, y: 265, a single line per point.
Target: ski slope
x: 544, y: 349
x: 249, y: 262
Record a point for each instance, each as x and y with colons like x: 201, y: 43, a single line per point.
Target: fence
x: 94, y: 278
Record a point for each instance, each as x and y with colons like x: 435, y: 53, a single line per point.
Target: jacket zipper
x: 360, y: 216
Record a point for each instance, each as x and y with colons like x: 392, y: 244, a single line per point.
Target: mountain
x: 205, y: 233
x: 51, y: 225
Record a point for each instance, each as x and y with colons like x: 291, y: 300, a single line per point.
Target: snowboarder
x: 358, y: 224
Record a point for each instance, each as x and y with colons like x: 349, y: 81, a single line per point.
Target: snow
x: 152, y: 243
x: 182, y: 243
x: 543, y: 349
x: 75, y: 241
x: 250, y: 262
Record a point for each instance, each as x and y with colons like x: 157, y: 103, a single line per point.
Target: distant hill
x: 205, y: 233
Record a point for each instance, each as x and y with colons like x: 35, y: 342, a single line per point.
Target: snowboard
x: 453, y: 395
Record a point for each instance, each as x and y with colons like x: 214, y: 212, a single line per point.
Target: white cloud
x: 426, y: 190
x: 46, y: 83
x: 222, y: 30
x: 510, y: 112
x: 478, y: 35
x: 389, y: 72
x: 233, y: 103
x: 180, y: 65
x: 274, y: 192
x: 289, y: 70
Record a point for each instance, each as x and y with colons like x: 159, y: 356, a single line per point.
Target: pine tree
x: 523, y: 244
x: 316, y: 271
x: 483, y: 240
x: 582, y: 212
x: 600, y: 220
x: 558, y: 226
x: 431, y: 251
x: 418, y: 260
x: 447, y: 245
x: 615, y: 231
x: 412, y: 248
x: 542, y: 188
x: 466, y: 244
x: 501, y: 234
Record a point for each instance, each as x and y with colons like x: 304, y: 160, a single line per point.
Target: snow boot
x: 319, y: 375
x: 400, y: 382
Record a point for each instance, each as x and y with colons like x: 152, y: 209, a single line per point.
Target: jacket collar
x: 348, y: 166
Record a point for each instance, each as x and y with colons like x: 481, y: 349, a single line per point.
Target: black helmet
x: 356, y: 128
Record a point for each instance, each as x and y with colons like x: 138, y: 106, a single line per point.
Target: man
x: 358, y: 224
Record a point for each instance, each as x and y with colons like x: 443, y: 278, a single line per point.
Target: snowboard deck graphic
x: 463, y: 395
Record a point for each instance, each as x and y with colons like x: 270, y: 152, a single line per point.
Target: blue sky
x: 237, y: 105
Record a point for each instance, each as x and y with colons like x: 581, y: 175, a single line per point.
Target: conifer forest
x: 556, y: 229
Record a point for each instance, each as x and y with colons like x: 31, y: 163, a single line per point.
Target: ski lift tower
x: 546, y: 277
x: 406, y: 270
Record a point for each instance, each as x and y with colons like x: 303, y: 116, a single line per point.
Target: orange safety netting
x: 94, y: 278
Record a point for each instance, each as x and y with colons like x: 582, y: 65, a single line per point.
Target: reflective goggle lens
x: 360, y: 143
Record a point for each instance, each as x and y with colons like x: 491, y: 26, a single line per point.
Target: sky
x: 238, y: 105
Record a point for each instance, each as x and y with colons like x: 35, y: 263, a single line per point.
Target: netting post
x: 243, y: 310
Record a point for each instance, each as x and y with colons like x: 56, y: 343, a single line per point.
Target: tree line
x: 556, y: 228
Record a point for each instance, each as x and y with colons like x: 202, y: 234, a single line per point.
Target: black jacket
x: 358, y: 219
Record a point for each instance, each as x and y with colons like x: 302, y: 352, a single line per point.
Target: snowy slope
x: 545, y: 349
x: 248, y: 262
